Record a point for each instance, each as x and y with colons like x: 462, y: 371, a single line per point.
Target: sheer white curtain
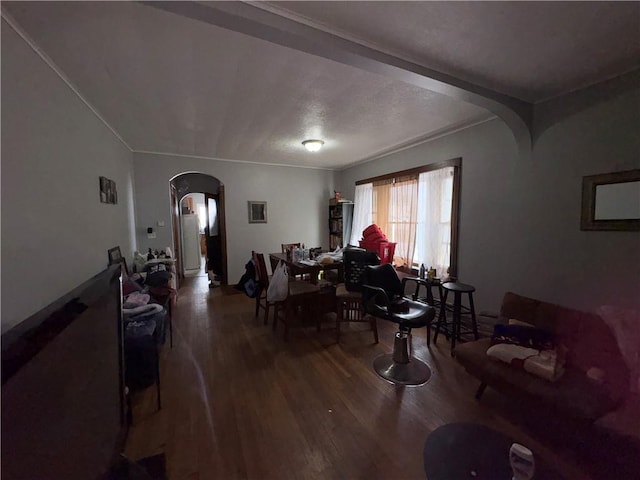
x: 433, y: 238
x: 362, y: 216
x: 395, y: 205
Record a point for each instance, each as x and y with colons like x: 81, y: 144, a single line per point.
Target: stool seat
x: 459, y: 287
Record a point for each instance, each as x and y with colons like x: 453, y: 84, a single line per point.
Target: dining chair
x: 263, y: 285
x: 273, y: 261
x: 348, y: 294
x: 301, y: 299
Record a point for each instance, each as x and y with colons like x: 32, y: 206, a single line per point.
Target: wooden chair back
x: 274, y: 263
x: 261, y: 269
x: 285, y: 247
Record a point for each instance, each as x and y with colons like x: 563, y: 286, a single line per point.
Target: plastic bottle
x: 422, y: 270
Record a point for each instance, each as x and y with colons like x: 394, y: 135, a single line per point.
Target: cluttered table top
x: 300, y: 264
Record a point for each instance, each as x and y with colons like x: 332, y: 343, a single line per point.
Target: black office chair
x: 383, y: 297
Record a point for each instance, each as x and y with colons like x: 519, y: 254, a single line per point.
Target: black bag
x: 248, y: 281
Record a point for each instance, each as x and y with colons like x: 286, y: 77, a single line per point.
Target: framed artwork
x: 257, y: 212
x: 108, y: 192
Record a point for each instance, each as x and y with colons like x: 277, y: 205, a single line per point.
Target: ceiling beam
x: 259, y: 23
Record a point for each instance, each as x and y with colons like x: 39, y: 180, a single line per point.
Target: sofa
x: 596, y: 378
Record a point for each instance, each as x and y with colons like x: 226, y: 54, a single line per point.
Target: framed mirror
x: 611, y: 201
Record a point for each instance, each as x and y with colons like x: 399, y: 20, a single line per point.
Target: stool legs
x: 442, y: 317
x: 473, y: 316
x: 457, y: 317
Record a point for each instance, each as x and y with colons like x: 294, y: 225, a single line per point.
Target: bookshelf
x: 340, y: 217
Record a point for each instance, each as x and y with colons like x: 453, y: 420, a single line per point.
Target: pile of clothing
x: 144, y: 316
x: 532, y: 349
x: 143, y: 304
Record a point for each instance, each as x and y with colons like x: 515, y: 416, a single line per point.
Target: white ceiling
x: 168, y: 83
x: 528, y: 50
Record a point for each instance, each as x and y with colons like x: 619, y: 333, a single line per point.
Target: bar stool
x: 458, y: 310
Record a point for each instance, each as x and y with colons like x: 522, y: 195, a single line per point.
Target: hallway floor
x: 239, y: 402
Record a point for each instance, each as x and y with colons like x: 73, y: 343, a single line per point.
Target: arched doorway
x: 211, y: 229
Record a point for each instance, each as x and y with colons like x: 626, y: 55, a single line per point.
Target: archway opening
x: 199, y: 227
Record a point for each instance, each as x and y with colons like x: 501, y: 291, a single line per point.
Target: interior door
x: 223, y: 232
x: 213, y: 236
x: 175, y: 227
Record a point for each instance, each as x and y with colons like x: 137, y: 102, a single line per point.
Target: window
x: 417, y: 209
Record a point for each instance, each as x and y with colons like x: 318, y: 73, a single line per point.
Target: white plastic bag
x: 279, y: 284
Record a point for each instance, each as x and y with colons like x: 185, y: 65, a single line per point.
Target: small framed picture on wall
x: 257, y: 212
x: 108, y: 192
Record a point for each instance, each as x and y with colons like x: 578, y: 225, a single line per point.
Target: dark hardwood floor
x: 239, y: 402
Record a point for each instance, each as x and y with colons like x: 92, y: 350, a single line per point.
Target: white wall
x: 297, y: 204
x: 520, y: 219
x: 55, y: 231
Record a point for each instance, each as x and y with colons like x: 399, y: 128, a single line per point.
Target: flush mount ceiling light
x: 313, y: 145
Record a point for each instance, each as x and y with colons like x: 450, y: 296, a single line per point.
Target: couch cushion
x: 573, y: 393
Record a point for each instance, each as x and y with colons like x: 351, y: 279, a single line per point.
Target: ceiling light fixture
x: 313, y: 145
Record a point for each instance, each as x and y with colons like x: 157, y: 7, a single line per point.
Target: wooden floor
x: 238, y: 402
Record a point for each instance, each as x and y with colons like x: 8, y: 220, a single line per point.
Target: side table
x: 428, y: 283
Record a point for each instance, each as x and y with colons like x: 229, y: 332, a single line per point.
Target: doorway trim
x: 177, y: 229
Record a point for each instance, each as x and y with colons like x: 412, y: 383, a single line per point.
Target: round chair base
x: 416, y: 372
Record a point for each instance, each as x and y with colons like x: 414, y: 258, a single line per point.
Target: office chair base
x: 415, y: 372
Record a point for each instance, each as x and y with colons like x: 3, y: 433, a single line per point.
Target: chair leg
x: 276, y: 309
x: 480, y: 390
x: 285, y: 320
x: 339, y: 318
x: 266, y: 312
x: 257, y: 305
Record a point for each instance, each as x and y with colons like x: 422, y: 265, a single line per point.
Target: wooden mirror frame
x: 589, y: 184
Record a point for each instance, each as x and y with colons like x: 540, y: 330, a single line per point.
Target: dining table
x: 312, y: 268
